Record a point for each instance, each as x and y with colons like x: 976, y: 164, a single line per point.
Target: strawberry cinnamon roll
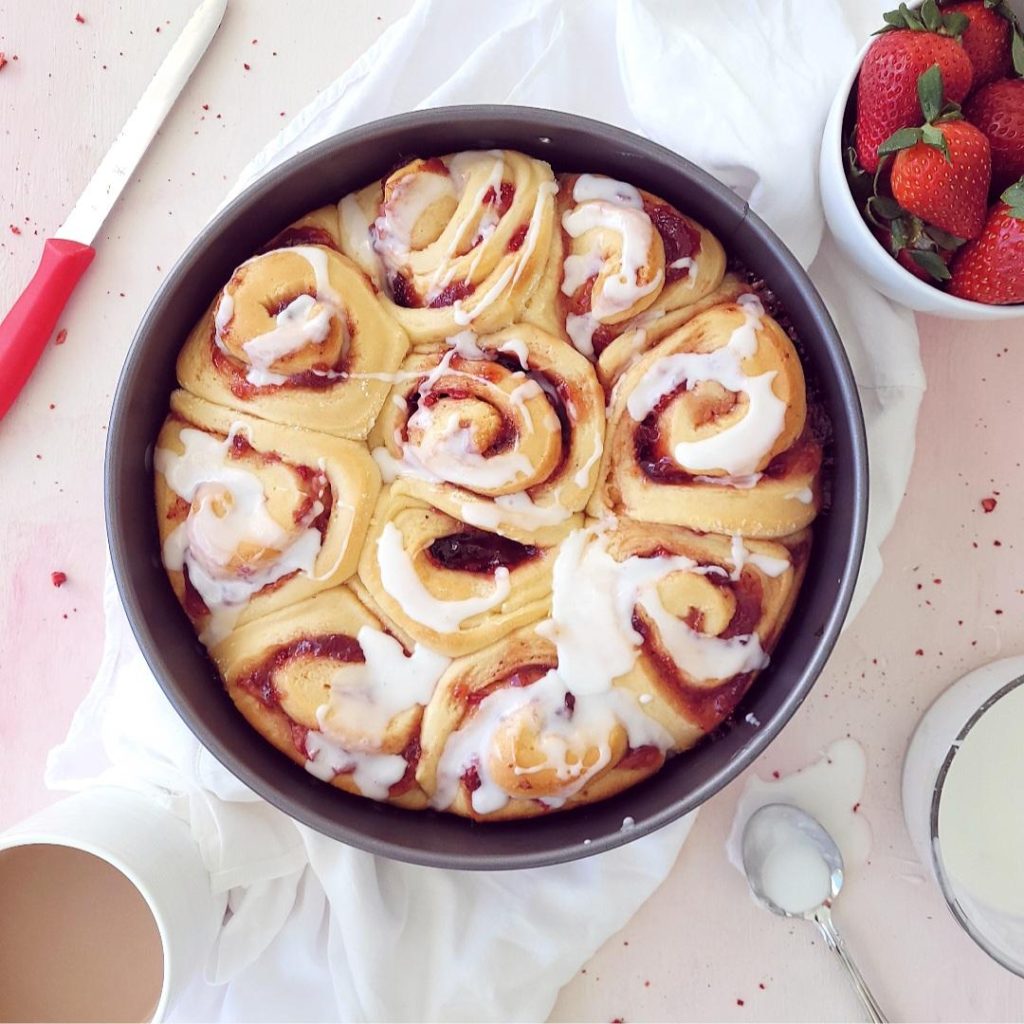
x: 297, y: 336
x: 709, y: 430
x: 326, y: 685
x: 628, y: 261
x: 454, y: 242
x: 503, y: 432
x: 655, y: 634
x: 253, y: 516
x: 449, y: 585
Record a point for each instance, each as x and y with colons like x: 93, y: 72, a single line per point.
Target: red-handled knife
x: 28, y: 326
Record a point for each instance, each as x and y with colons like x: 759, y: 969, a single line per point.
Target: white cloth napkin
x: 319, y: 931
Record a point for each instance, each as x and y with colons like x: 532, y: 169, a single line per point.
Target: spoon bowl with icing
x: 795, y: 869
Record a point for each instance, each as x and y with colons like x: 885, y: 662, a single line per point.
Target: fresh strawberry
x: 986, y: 39
x: 991, y: 268
x: 998, y: 110
x: 912, y: 42
x: 942, y: 170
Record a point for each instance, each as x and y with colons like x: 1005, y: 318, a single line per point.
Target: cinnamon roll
x: 503, y: 736
x: 451, y: 586
x: 324, y: 683
x: 709, y: 430
x: 655, y: 634
x: 297, y: 336
x: 503, y: 432
x: 489, y: 490
x: 253, y: 516
x: 629, y: 262
x: 454, y: 242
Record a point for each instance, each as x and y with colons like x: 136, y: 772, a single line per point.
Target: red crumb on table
x: 761, y: 985
x: 937, y: 580
x: 3, y: 61
x: 739, y: 1002
x: 988, y: 504
x: 58, y: 579
x: 206, y: 106
x: 15, y: 230
x: 919, y: 653
x: 62, y: 336
x: 647, y: 984
x: 999, y: 611
x: 80, y: 19
x: 856, y: 807
x: 776, y: 775
x: 247, y: 67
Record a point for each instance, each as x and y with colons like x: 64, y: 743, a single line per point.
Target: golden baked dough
x: 454, y: 242
x: 296, y: 336
x: 296, y: 483
x: 464, y: 588
x: 680, y: 448
x: 501, y: 445
x: 280, y: 671
x: 488, y: 490
x: 624, y: 261
x: 510, y: 770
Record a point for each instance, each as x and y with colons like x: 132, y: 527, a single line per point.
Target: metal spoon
x: 760, y: 835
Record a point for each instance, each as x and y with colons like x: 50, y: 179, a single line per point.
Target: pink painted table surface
x: 951, y: 598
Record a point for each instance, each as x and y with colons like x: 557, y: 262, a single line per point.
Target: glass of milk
x: 963, y: 780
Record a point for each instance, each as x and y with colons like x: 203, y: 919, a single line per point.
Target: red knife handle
x: 26, y: 329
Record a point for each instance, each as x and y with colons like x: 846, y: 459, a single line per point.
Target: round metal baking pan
x: 323, y: 174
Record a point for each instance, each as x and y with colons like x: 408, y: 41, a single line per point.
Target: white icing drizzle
x: 739, y: 448
x: 365, y: 696
x: 768, y: 564
x: 517, y: 347
x: 619, y: 291
x: 597, y: 186
x: 229, y: 509
x: 518, y: 510
x: 401, y: 581
x: 563, y: 737
x: 581, y: 327
x: 582, y: 476
x: 514, y: 271
x: 410, y: 198
x: 464, y: 344
x: 593, y: 597
x: 225, y: 311
x: 306, y: 320
x: 374, y: 774
x: 805, y: 496
x: 356, y: 226
x: 578, y: 269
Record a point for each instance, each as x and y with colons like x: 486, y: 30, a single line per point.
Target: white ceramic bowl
x: 860, y: 245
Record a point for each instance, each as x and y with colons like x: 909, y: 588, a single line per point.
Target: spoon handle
x: 834, y: 940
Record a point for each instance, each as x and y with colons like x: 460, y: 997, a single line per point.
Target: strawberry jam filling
x: 707, y: 706
x: 478, y: 551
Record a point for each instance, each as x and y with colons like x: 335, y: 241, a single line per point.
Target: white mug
x: 71, y: 958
